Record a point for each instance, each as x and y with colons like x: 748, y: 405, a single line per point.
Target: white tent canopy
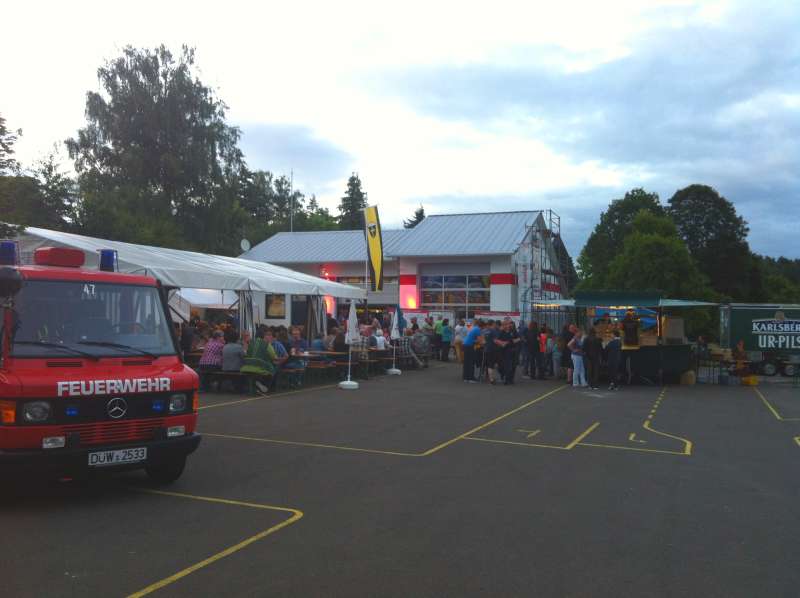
x: 188, y: 269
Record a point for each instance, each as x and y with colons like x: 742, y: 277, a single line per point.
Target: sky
x: 461, y: 106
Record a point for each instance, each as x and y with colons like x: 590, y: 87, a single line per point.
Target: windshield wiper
x: 135, y: 350
x: 58, y: 346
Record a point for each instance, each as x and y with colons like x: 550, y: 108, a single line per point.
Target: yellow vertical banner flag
x: 374, y: 247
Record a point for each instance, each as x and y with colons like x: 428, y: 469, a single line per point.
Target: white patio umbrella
x: 394, y: 334
x: 353, y: 336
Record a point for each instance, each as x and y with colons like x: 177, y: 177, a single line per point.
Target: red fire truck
x: 90, y: 373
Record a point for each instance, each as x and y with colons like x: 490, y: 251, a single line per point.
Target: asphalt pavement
x: 421, y: 485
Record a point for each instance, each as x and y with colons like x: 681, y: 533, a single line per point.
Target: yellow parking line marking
x: 633, y: 438
x: 797, y: 440
x: 313, y: 445
x: 687, y: 444
x: 529, y: 433
x: 774, y: 411
x: 262, y: 397
x: 492, y: 440
x: 494, y: 421
x: 295, y: 516
x: 583, y: 435
x: 427, y: 453
x: 630, y: 448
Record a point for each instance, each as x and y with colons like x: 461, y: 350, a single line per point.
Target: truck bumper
x: 75, y: 461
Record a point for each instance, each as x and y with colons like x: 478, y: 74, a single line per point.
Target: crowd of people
x: 493, y: 350
x: 275, y: 351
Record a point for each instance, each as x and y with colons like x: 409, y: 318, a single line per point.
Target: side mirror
x: 10, y: 282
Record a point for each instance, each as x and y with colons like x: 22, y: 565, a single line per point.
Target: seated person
x: 330, y: 337
x: 297, y: 346
x: 212, y: 357
x: 260, y: 358
x: 233, y: 357
x: 281, y: 355
x: 378, y: 341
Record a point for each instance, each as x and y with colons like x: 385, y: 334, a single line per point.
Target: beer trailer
x: 770, y: 332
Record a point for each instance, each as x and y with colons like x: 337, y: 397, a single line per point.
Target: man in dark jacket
x: 613, y: 355
x: 593, y: 352
x: 532, y: 347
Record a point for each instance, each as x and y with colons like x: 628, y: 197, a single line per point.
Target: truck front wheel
x: 769, y: 368
x: 166, y: 471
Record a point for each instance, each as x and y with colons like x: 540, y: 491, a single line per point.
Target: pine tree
x: 351, y: 216
x: 419, y: 216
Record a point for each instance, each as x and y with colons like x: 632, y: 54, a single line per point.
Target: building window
x: 358, y: 281
x: 462, y: 295
x: 275, y: 306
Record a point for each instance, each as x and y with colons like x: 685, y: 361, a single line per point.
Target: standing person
x: 505, y: 354
x: 613, y: 356
x: 558, y: 350
x: 575, y: 346
x: 532, y: 348
x: 469, y: 351
x: 490, y: 350
x: 437, y: 337
x: 566, y: 355
x: 188, y: 333
x: 549, y: 354
x: 593, y: 353
x: 458, y: 340
x: 542, y: 354
x: 446, y: 334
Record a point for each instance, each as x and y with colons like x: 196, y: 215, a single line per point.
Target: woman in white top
x: 459, y: 333
x: 380, y: 340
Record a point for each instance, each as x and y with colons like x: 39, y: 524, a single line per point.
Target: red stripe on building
x: 549, y: 286
x: 503, y: 279
x: 408, y: 279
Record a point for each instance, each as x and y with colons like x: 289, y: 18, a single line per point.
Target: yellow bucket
x: 750, y: 380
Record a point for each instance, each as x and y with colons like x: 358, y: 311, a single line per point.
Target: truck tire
x: 166, y: 471
x: 769, y: 368
x: 790, y: 369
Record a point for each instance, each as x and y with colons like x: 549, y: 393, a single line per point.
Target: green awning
x: 618, y: 299
x: 623, y: 299
x: 685, y: 303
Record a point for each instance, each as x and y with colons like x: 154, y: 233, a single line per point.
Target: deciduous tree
x: 606, y: 239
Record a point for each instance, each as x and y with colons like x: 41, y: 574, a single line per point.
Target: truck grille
x: 116, y: 432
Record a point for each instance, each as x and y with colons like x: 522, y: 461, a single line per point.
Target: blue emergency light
x: 159, y: 405
x: 108, y: 260
x: 71, y: 411
x: 9, y: 253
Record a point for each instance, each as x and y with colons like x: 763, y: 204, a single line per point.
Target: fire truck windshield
x: 59, y: 318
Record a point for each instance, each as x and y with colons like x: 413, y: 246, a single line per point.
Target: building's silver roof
x: 498, y: 233
x: 317, y: 247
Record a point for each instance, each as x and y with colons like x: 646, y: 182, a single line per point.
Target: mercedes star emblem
x: 117, y: 408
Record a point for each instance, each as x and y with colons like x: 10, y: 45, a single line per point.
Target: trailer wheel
x: 790, y: 369
x: 769, y: 368
x: 166, y: 471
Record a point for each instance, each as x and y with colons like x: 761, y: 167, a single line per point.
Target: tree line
x: 158, y: 163
x: 694, y: 247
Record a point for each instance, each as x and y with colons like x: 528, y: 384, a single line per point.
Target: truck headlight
x: 36, y: 411
x: 177, y: 403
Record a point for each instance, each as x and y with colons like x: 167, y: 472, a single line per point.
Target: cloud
x: 711, y: 103
x: 283, y: 148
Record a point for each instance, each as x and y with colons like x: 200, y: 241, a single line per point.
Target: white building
x: 457, y: 263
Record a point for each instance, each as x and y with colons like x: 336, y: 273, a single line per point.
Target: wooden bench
x: 235, y: 377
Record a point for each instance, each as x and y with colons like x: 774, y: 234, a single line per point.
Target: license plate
x: 118, y: 457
